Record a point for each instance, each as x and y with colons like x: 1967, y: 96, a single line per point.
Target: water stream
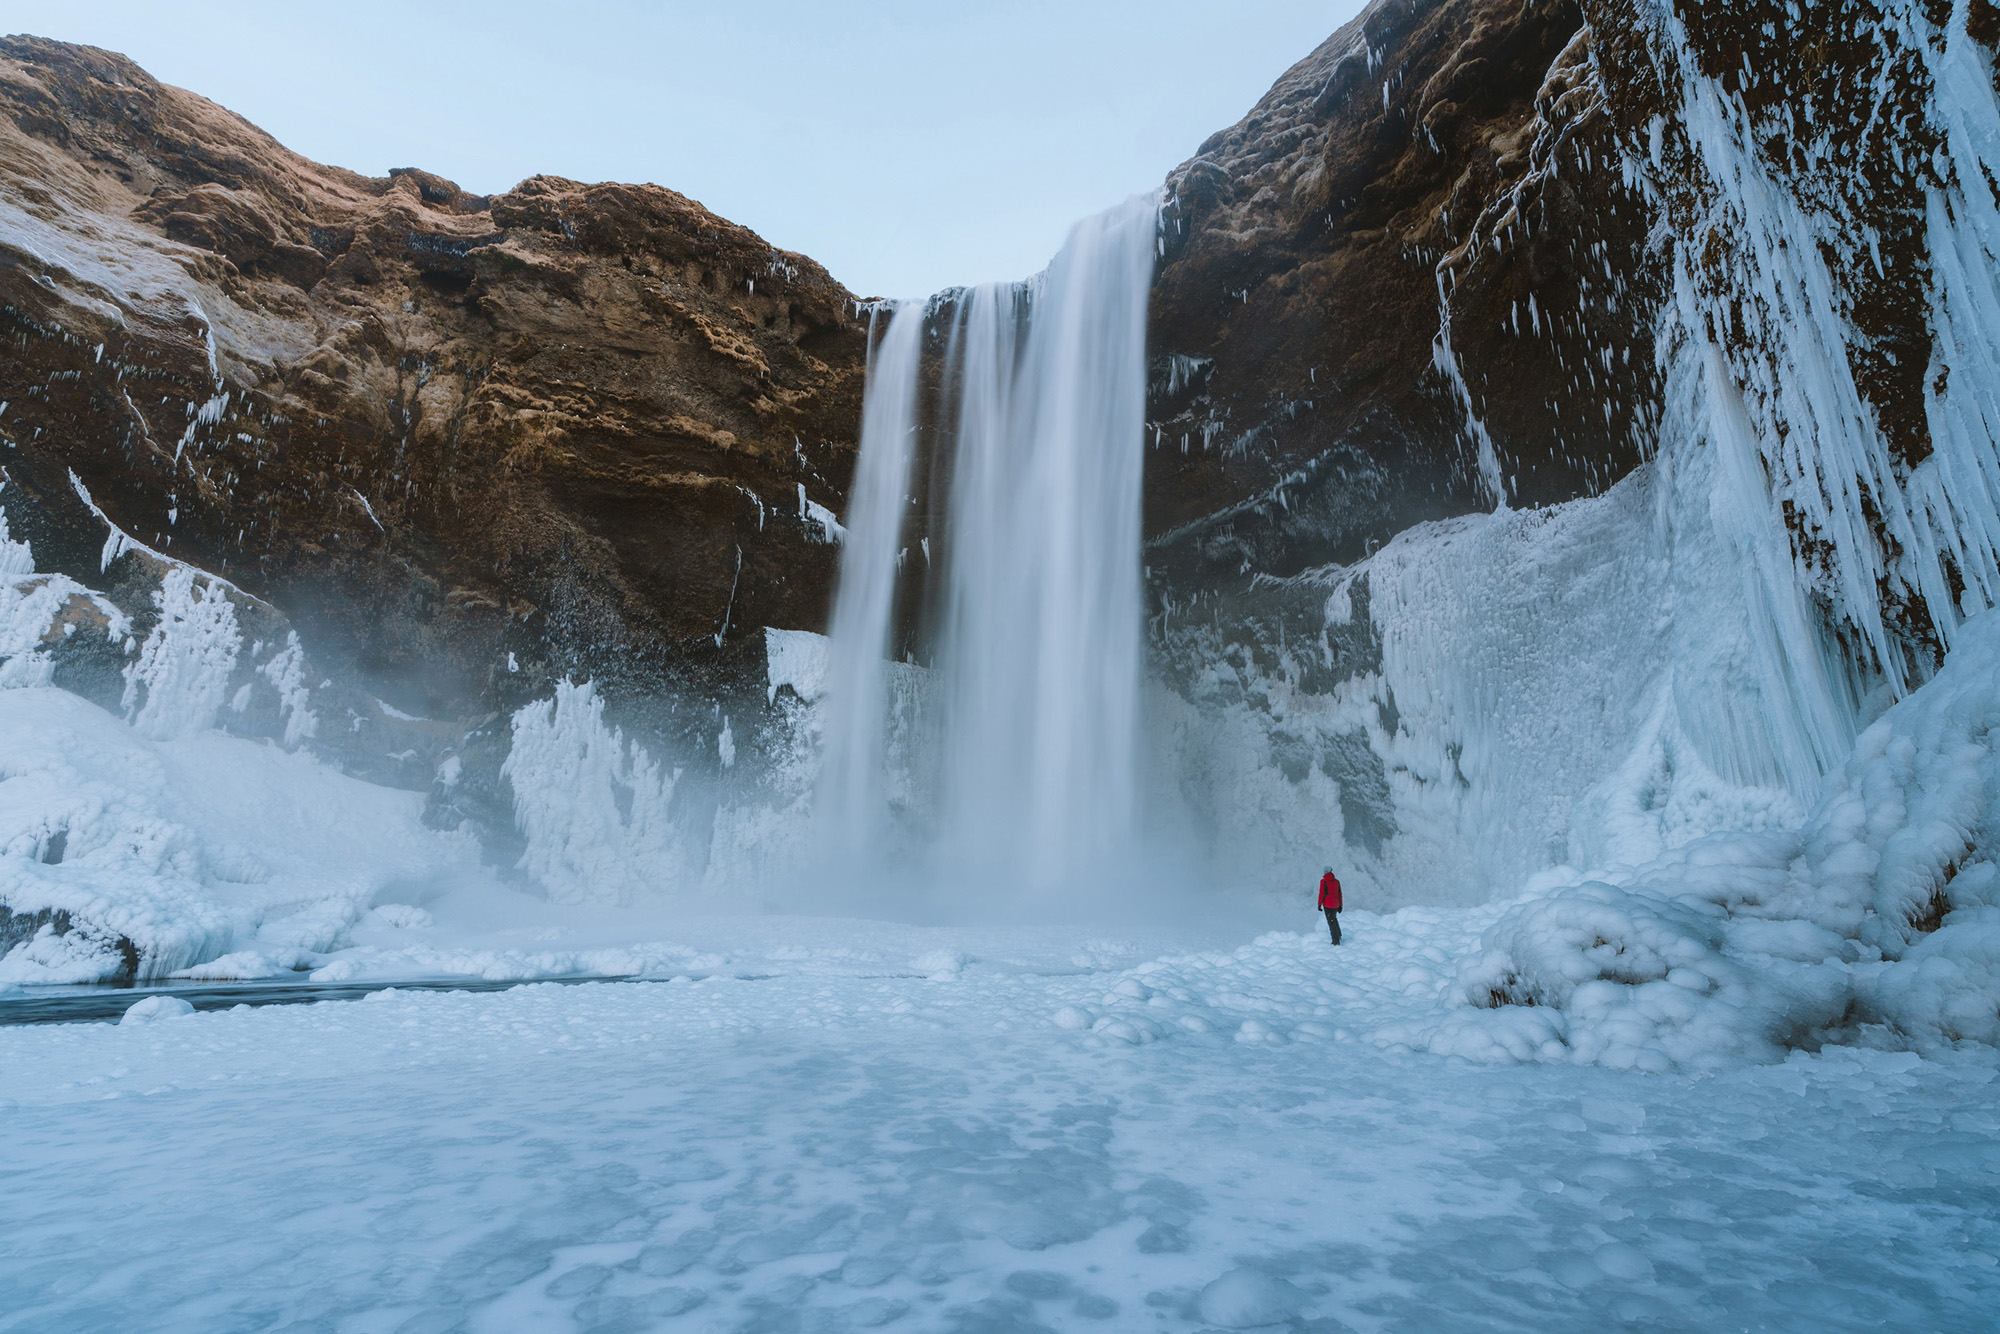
x: 1038, y: 584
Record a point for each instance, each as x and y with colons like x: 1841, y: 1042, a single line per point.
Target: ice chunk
x: 243, y: 966
x: 155, y: 1008
x: 942, y: 964
x: 1245, y: 1299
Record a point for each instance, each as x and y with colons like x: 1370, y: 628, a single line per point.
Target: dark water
x: 66, y: 1005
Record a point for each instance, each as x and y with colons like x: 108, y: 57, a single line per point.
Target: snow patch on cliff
x: 592, y: 806
x: 181, y: 677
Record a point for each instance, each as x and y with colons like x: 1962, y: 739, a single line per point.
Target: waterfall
x: 1040, y: 601
x: 852, y: 790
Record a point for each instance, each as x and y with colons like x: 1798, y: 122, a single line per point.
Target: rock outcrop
x: 1426, y: 215
x: 462, y: 446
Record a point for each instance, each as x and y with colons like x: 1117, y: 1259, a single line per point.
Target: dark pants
x: 1333, y: 923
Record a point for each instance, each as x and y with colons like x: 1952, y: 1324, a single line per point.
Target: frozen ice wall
x: 1774, y: 201
x: 1572, y: 685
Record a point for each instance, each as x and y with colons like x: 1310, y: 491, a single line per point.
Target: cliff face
x: 466, y: 445
x: 1472, y: 266
x: 1386, y: 234
x: 1430, y: 270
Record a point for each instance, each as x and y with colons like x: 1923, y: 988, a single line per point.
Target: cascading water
x: 852, y: 801
x: 1039, y: 651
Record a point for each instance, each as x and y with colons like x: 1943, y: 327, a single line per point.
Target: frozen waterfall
x: 1037, y: 594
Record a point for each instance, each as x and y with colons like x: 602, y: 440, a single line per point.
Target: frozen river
x: 971, y: 1143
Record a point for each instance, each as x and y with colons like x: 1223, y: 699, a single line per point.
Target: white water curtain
x: 1039, y: 652
x: 852, y: 801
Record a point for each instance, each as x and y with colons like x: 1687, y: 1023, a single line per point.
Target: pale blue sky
x: 905, y: 144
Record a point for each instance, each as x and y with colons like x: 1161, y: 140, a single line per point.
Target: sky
x: 908, y: 145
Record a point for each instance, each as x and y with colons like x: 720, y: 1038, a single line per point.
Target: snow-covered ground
x: 1206, y: 1140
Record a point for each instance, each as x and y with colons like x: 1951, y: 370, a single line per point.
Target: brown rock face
x: 1436, y: 187
x: 467, y: 445
x: 1446, y: 258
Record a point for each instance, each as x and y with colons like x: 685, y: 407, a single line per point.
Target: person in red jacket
x: 1329, y: 901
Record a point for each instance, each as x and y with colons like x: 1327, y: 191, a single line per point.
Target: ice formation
x: 592, y: 806
x: 132, y: 849
x: 181, y: 677
x: 1878, y: 921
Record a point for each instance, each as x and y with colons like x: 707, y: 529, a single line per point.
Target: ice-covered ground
x: 1201, y: 1141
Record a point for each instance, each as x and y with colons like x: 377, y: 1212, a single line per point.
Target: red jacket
x: 1329, y: 892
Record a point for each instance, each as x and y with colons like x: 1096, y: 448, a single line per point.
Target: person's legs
x: 1333, y: 925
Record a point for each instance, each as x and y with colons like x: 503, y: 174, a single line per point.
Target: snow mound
x: 1882, y: 914
x: 124, y: 856
x: 155, y: 1008
x: 941, y: 964
x: 1638, y: 979
x: 1246, y: 1299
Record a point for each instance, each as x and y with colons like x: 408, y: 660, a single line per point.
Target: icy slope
x: 1879, y: 921
x: 125, y: 855
x: 1490, y: 697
